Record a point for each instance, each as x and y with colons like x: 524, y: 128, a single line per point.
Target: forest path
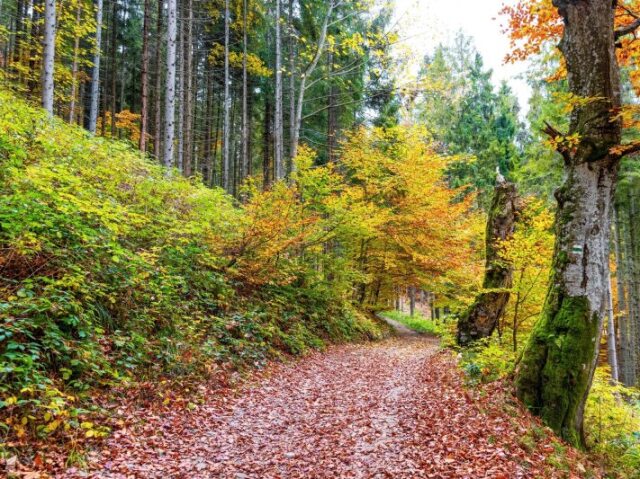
x: 394, y: 409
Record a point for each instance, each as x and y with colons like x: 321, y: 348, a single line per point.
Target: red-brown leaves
x: 397, y: 409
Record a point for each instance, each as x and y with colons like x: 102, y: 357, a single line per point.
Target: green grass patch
x: 417, y: 322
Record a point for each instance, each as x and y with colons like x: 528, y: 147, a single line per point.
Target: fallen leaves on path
x: 396, y: 409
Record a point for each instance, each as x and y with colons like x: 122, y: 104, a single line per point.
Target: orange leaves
x: 383, y: 215
x: 425, y: 235
x: 530, y: 24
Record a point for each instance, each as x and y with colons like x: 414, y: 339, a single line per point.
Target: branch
x: 627, y: 29
x: 554, y: 134
x: 626, y: 149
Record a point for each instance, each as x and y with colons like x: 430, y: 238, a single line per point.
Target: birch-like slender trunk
x: 292, y: 86
x: 181, y: 92
x: 48, y: 55
x: 74, y: 69
x: 95, y: 74
x: 157, y: 124
x: 226, y: 133
x: 245, y: 116
x: 279, y: 119
x: 188, y: 94
x: 170, y: 91
x: 114, y: 63
x: 612, y: 352
x: 144, y: 77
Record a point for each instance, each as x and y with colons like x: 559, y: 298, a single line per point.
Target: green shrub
x: 112, y: 270
x: 612, y: 425
x: 488, y: 360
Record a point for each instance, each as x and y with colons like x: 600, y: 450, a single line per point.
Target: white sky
x: 423, y: 24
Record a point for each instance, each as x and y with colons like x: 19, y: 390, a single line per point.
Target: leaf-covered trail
x: 390, y: 410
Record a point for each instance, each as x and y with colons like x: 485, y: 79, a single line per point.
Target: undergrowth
x: 113, y: 271
x: 612, y: 415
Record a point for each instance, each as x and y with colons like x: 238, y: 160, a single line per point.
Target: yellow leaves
x: 53, y: 426
x: 255, y: 65
x: 564, y: 143
x: 126, y: 122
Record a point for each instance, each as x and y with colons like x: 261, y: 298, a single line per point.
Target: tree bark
x: 624, y: 344
x: 48, y: 55
x: 482, y: 318
x: 634, y: 289
x: 181, y: 91
x: 188, y: 94
x: 157, y: 124
x: 555, y: 374
x: 226, y: 133
x: 114, y: 55
x: 95, y: 75
x: 292, y: 85
x: 144, y: 77
x: 612, y: 352
x: 245, y: 92
x: 74, y: 69
x: 170, y: 95
x: 278, y: 127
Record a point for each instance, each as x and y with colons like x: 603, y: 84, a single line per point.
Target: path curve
x: 388, y: 410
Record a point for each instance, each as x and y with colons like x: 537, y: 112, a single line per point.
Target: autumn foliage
x: 113, y: 270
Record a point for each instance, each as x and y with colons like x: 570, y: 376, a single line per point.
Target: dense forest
x: 195, y: 191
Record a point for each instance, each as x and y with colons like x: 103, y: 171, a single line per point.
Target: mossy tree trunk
x: 482, y: 318
x: 557, y: 366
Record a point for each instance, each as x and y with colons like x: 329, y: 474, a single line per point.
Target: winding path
x: 389, y: 410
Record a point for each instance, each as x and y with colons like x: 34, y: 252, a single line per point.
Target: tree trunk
x: 308, y: 71
x: 170, y: 95
x: 181, y: 91
x: 332, y: 116
x: 278, y: 130
x: 74, y: 70
x: 266, y: 146
x: 144, y: 78
x: 292, y: 86
x: 95, y: 75
x: 207, y: 166
x: 114, y: 55
x: 624, y: 344
x: 555, y: 374
x: 226, y: 133
x: 157, y: 124
x: 481, y: 319
x: 612, y: 352
x: 412, y: 301
x: 245, y: 92
x: 48, y: 55
x: 188, y: 94
x: 634, y: 289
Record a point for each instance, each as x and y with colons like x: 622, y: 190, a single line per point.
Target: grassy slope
x: 109, y: 269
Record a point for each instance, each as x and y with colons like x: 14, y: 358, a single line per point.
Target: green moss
x: 554, y: 375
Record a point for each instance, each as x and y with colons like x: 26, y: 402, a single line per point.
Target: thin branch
x: 627, y: 29
x: 554, y: 134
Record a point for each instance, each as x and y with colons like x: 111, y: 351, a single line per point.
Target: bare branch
x: 627, y: 29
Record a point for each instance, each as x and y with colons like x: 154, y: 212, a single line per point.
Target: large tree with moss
x: 557, y: 366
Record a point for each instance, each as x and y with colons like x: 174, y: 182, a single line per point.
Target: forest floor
x: 394, y: 409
